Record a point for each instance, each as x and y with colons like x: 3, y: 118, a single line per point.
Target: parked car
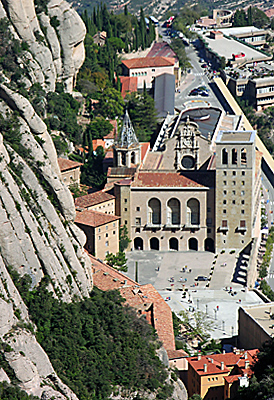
x: 203, y: 89
x: 204, y: 65
x: 204, y: 93
x: 202, y: 60
x: 194, y: 92
x: 201, y: 278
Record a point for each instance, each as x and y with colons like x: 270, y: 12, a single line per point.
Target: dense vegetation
x: 254, y: 16
x: 261, y: 386
x: 10, y: 392
x: 97, y: 344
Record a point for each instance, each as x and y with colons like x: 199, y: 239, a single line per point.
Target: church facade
x: 174, y: 198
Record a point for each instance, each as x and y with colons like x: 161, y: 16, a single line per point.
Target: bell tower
x: 187, y: 147
x: 127, y: 150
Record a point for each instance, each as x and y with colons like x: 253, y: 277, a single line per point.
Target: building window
x: 193, y: 212
x: 243, y: 172
x: 224, y: 223
x: 208, y: 379
x: 125, y: 209
x: 243, y: 156
x: 224, y: 157
x: 137, y: 208
x: 224, y: 173
x: 114, y: 232
x: 99, y: 237
x: 224, y: 182
x: 242, y: 211
x: 106, y: 234
x: 106, y: 227
x: 233, y: 183
x: 243, y: 201
x: 233, y: 201
x: 243, y: 183
x: 113, y: 224
x: 224, y: 192
x: 242, y: 223
x: 99, y: 230
x: 242, y: 192
x: 107, y: 243
x: 154, y: 211
x: 137, y: 230
x: 208, y: 209
x: 137, y: 221
x: 234, y: 173
x: 224, y: 202
x: 234, y: 192
x: 125, y: 222
x: 224, y: 211
x: 125, y: 200
x: 153, y: 69
x: 234, y: 156
x: 209, y: 221
x: 173, y: 212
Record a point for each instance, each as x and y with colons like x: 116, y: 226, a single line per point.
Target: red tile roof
x: 175, y: 354
x: 162, y: 49
x: 66, y: 165
x: 113, y: 133
x: 144, y: 149
x: 144, y: 298
x: 230, y: 360
x: 148, y: 62
x: 94, y: 218
x: 269, y: 13
x: 129, y: 84
x: 92, y: 199
x: 98, y: 142
x: 163, y: 179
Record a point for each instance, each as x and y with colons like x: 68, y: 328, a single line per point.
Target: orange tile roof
x: 92, y: 199
x: 98, y: 142
x: 140, y: 297
x: 113, y: 133
x: 148, y: 62
x: 94, y: 218
x: 269, y: 13
x: 66, y: 165
x: 163, y: 179
x: 144, y: 149
x: 213, y: 362
x: 129, y: 84
x: 174, y: 354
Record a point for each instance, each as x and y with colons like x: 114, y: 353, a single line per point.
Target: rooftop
x: 236, y: 136
x: 94, y: 218
x: 240, y: 30
x: 148, y: 62
x: 262, y: 315
x: 66, y: 165
x: 225, y: 47
x: 162, y: 49
x: 163, y: 179
x: 92, y: 199
x: 129, y: 84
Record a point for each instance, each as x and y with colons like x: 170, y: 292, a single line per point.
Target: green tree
x: 141, y: 108
x: 118, y: 261
x: 259, y: 18
x: 179, y: 48
x: 124, y: 240
x: 239, y: 18
x: 98, y: 128
x: 111, y: 104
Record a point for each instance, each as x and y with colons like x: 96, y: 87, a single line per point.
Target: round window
x: 188, y: 162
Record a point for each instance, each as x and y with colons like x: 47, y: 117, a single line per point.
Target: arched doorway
x: 193, y: 244
x: 209, y: 245
x: 138, y: 243
x: 154, y: 244
x: 173, y: 244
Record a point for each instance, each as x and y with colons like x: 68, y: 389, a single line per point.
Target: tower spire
x: 128, y: 136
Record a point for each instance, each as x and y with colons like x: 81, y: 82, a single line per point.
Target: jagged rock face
x: 37, y: 236
x: 55, y: 53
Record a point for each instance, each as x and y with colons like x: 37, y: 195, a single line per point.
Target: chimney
x: 246, y: 364
x: 246, y: 356
x: 222, y: 365
x: 234, y: 350
x: 199, y: 357
x: 205, y: 367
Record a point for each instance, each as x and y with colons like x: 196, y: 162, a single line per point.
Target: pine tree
x: 125, y: 10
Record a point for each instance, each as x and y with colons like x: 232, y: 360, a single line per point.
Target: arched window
x: 173, y: 212
x: 224, y: 156
x: 209, y: 245
x: 193, y: 212
x: 193, y: 244
x: 124, y: 160
x: 154, y: 211
x: 133, y: 157
x: 243, y: 156
x: 154, y: 244
x: 234, y: 156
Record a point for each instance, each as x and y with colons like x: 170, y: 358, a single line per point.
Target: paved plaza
x: 172, y: 272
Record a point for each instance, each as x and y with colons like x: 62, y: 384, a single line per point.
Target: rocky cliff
x: 38, y: 237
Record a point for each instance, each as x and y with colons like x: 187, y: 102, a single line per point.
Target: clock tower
x: 187, y: 148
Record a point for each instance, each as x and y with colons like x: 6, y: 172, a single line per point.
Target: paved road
x: 197, y: 77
